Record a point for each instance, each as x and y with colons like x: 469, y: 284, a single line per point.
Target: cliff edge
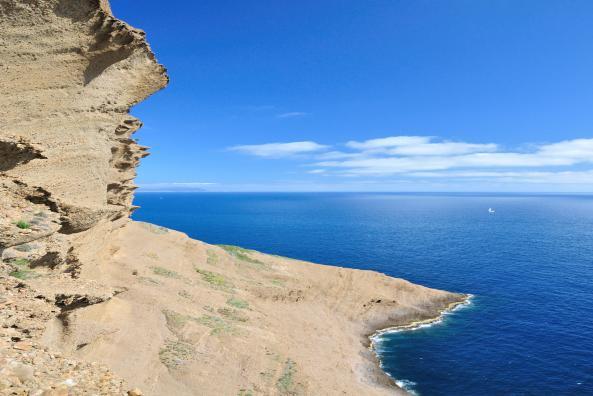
x: 93, y: 303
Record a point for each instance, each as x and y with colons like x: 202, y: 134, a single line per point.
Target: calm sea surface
x: 529, y: 330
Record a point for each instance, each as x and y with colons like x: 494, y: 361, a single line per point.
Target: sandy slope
x: 198, y: 319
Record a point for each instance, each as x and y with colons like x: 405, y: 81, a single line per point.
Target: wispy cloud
x: 388, y: 142
x: 403, y: 154
x: 292, y: 114
x: 427, y: 159
x: 279, y: 150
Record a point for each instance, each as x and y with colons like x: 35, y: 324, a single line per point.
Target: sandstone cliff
x: 92, y: 303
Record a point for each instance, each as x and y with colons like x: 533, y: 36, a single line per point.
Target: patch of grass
x: 175, y: 320
x: 23, y: 274
x: 155, y: 229
x: 22, y: 270
x: 212, y: 257
x: 152, y: 255
x: 285, y: 383
x: 23, y: 225
x: 237, y: 303
x: 214, y: 279
x: 217, y: 324
x: 242, y: 254
x: 161, y: 271
x: 233, y: 314
x: 245, y: 392
x: 21, y: 262
x: 278, y: 282
x: 175, y: 353
x: 149, y: 281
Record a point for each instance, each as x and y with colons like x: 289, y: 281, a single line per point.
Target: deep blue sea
x: 529, y: 330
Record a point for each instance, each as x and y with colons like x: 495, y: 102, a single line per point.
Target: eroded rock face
x: 69, y: 72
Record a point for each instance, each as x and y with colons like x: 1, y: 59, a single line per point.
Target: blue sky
x: 374, y: 95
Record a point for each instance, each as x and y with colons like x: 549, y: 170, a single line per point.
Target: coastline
x: 374, y: 338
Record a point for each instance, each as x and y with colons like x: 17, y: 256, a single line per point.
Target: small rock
x: 135, y: 392
x: 22, y: 346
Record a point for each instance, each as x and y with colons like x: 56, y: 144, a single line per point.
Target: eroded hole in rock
x: 13, y: 154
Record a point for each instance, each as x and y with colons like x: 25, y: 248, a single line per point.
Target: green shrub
x: 23, y: 225
x: 213, y: 278
x: 23, y: 274
x: 175, y: 353
x: 286, y: 382
x: 217, y: 324
x: 212, y: 257
x: 237, y: 303
x: 165, y: 272
x: 22, y: 270
x: 242, y: 254
x: 232, y: 314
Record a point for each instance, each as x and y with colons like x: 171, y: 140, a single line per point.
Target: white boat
x: 491, y: 211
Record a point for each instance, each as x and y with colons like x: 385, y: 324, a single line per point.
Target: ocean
x: 529, y: 328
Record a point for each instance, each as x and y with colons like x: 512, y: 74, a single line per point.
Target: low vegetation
x: 214, y: 279
x: 278, y: 282
x: 175, y: 320
x: 175, y: 353
x: 22, y: 269
x: 149, y: 281
x: 217, y: 324
x: 161, y: 271
x: 23, y: 225
x: 237, y: 303
x: 242, y: 254
x: 212, y: 257
x: 233, y: 314
x: 285, y: 383
x: 151, y: 255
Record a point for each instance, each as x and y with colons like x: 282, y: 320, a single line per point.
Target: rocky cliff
x: 92, y: 303
x: 69, y: 73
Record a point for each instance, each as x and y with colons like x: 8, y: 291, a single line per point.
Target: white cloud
x: 558, y: 177
x: 392, y: 141
x: 425, y: 160
x: 279, y: 150
x: 445, y: 148
x: 337, y: 155
x: 292, y: 114
x: 439, y: 156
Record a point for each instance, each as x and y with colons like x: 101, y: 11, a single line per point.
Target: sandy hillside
x: 192, y: 318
